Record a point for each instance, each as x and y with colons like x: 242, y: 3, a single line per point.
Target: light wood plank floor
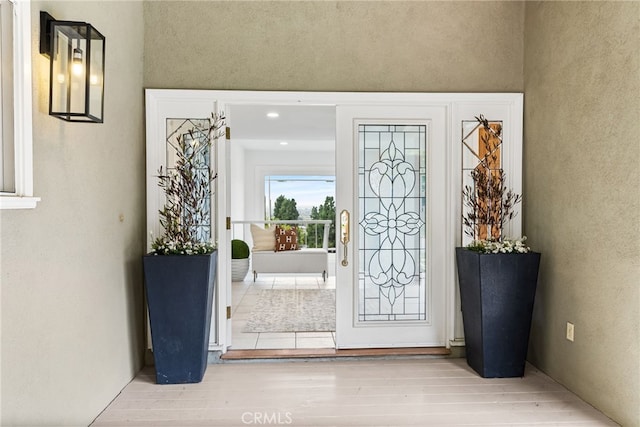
x: 373, y: 392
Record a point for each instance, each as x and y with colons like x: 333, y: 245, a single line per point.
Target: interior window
x: 302, y: 197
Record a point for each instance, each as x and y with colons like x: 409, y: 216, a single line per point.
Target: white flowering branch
x: 505, y: 246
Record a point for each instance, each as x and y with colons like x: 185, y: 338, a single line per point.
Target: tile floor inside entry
x: 244, y: 297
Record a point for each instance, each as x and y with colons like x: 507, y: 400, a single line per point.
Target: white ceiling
x: 303, y: 127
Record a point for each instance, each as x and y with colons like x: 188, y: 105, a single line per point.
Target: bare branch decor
x: 187, y: 187
x: 488, y: 202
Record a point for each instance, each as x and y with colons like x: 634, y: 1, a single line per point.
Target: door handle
x: 344, y: 235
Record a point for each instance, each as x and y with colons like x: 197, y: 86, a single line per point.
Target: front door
x: 391, y: 199
x: 400, y: 182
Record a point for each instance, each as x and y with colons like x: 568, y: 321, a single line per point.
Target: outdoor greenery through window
x: 302, y: 198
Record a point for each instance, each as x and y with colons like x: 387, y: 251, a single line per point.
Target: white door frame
x: 460, y: 106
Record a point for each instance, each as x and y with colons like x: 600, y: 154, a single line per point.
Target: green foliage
x: 187, y: 187
x: 327, y: 210
x: 476, y: 246
x: 285, y: 209
x: 239, y: 249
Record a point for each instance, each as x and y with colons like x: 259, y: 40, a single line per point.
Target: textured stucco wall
x: 334, y: 46
x: 582, y: 194
x: 72, y: 307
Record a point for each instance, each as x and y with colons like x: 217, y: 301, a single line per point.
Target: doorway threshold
x: 331, y: 353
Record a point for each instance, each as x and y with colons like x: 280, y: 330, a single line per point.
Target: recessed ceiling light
x: 273, y: 115
x: 284, y: 143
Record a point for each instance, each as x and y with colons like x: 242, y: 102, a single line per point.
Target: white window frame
x: 22, y: 197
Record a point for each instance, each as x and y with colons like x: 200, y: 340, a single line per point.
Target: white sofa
x: 301, y: 261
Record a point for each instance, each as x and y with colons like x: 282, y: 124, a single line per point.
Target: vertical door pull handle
x: 344, y: 236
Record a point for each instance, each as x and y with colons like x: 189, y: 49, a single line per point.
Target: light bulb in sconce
x: 76, y: 66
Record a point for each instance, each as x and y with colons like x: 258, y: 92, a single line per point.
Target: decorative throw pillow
x: 263, y: 239
x: 286, y: 238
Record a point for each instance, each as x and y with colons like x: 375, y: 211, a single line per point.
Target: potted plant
x: 180, y: 271
x: 239, y: 260
x: 497, y: 276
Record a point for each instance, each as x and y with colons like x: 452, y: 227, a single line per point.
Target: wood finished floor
x: 332, y: 353
x: 372, y: 392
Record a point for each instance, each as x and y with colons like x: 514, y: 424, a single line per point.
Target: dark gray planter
x: 497, y: 292
x: 179, y: 290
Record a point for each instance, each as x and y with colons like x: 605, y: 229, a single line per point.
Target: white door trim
x: 504, y: 106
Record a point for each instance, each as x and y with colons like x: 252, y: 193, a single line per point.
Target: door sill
x: 332, y: 353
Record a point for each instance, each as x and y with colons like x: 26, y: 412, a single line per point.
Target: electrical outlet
x: 570, y: 331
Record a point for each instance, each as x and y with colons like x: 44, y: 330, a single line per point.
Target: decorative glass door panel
x: 392, y: 222
x: 193, y: 134
x: 391, y: 174
x: 482, y: 154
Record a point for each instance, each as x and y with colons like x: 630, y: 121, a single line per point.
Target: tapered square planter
x: 179, y: 290
x: 497, y: 292
x: 239, y: 269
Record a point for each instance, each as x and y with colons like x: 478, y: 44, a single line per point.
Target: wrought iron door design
x: 392, y: 216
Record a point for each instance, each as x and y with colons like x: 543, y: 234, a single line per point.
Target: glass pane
x: 306, y: 197
x: 392, y: 217
x: 481, y: 152
x: 68, y: 64
x: 7, y: 157
x: 189, y: 131
x: 96, y: 77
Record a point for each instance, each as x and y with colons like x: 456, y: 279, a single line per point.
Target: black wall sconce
x: 76, y: 77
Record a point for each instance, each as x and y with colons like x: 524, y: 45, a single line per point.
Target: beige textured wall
x: 582, y: 194
x: 334, y: 46
x: 72, y: 317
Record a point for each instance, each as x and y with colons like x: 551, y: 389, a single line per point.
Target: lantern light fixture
x: 76, y: 71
